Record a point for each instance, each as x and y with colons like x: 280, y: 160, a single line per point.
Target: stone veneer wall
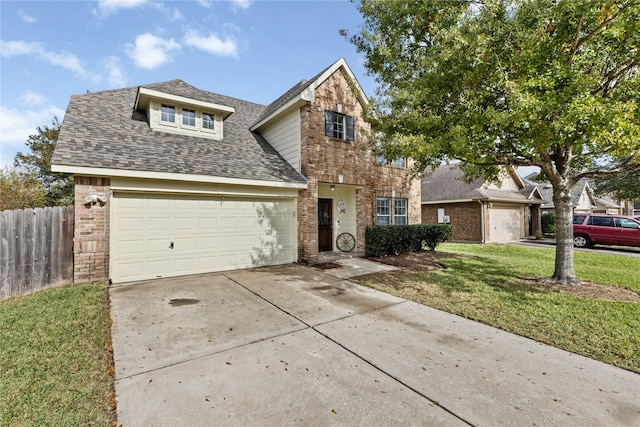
x: 91, y: 234
x: 465, y: 219
x: 325, y: 158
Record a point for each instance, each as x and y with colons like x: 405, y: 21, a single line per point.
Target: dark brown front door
x: 325, y: 234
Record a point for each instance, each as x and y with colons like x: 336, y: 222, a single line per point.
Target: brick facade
x: 334, y: 161
x: 91, y: 234
x: 466, y: 219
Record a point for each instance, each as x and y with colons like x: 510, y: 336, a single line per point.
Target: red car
x: 589, y: 230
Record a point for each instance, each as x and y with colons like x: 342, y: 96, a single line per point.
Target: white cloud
x: 26, y: 17
x: 32, y: 98
x: 65, y: 60
x: 115, y: 74
x: 241, y: 4
x: 150, y: 52
x: 205, y: 3
x: 109, y: 7
x: 211, y: 44
x: 17, y: 125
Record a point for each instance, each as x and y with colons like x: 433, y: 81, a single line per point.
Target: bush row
x: 382, y: 240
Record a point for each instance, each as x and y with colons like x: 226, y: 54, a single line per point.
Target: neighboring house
x: 174, y: 180
x: 583, y: 199
x: 607, y: 206
x: 481, y: 211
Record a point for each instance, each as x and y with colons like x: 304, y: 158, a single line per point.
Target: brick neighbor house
x: 173, y: 180
x: 481, y: 211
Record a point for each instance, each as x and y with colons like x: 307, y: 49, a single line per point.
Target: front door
x: 325, y: 233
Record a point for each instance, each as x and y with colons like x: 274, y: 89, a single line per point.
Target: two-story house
x: 174, y: 180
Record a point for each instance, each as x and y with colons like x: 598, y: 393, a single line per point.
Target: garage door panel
x: 209, y: 235
x: 505, y: 223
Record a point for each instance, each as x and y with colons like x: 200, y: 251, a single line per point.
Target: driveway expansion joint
x: 373, y: 365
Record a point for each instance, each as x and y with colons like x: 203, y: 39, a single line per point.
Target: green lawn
x: 484, y: 286
x: 54, y: 358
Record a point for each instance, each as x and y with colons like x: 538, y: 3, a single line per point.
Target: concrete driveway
x: 292, y: 345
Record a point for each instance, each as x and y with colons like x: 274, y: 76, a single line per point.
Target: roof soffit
x: 146, y: 94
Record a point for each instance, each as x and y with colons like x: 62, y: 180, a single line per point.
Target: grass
x: 485, y: 287
x: 54, y: 358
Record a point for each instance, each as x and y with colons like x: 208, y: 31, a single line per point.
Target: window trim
x: 186, y: 117
x: 168, y: 114
x: 404, y: 208
x: 348, y: 126
x: 212, y: 121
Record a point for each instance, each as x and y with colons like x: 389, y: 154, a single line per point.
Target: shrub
x: 382, y: 240
x: 548, y: 223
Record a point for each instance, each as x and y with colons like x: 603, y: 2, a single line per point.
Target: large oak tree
x: 553, y: 84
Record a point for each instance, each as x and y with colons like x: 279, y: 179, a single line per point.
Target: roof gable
x: 304, y: 92
x: 447, y: 183
x: 102, y: 130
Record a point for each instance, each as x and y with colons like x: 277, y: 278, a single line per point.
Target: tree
x: 59, y: 187
x: 622, y: 186
x: 19, y: 190
x: 552, y: 84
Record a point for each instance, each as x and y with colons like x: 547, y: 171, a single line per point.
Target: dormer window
x: 188, y: 117
x: 168, y: 113
x: 208, y: 121
x: 182, y: 115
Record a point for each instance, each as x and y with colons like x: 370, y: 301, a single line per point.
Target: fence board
x: 36, y: 249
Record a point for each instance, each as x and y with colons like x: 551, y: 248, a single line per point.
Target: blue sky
x: 253, y: 50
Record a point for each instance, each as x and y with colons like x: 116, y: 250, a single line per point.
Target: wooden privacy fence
x: 36, y: 249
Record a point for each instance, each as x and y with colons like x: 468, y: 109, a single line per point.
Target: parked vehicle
x: 589, y: 230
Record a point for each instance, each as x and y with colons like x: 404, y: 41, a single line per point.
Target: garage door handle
x: 171, y: 245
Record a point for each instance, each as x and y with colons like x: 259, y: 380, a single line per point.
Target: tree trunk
x: 564, y: 273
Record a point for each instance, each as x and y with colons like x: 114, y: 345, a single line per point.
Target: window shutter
x: 351, y: 128
x: 328, y: 122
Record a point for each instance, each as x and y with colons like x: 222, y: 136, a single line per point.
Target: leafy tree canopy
x: 622, y: 186
x: 59, y: 187
x: 553, y: 84
x: 20, y: 190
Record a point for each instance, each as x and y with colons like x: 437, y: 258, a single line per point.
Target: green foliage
x: 383, y: 240
x: 19, y: 190
x: 548, y: 223
x: 487, y: 286
x: 59, y: 188
x: 54, y: 358
x: 622, y: 186
x: 501, y: 82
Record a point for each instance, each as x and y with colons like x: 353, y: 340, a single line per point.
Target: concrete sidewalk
x: 294, y: 346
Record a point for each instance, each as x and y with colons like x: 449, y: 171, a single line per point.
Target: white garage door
x: 505, y: 223
x: 162, y: 236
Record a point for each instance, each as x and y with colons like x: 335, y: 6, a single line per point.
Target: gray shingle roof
x: 289, y: 95
x: 102, y: 130
x: 546, y: 190
x: 447, y: 183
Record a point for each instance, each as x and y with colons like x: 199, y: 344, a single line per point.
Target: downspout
x: 482, y: 221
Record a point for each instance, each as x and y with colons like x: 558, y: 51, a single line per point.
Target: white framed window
x: 400, y: 162
x: 400, y: 211
x: 208, y: 121
x: 339, y: 126
x: 383, y: 211
x: 168, y: 113
x: 188, y: 117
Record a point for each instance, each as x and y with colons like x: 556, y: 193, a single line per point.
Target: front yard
x: 500, y: 285
x: 55, y: 363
